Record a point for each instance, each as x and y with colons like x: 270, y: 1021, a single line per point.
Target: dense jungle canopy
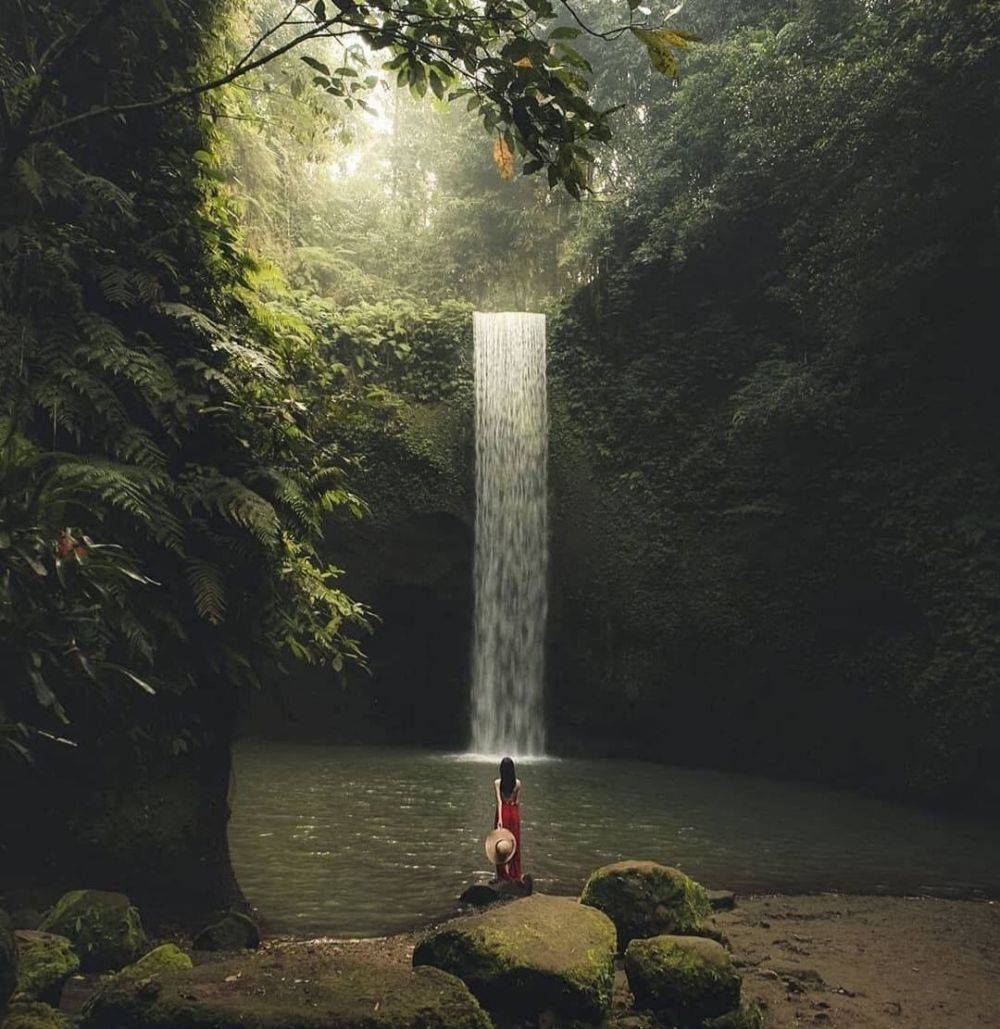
x: 235, y: 306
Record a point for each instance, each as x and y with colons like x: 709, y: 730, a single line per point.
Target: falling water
x: 511, y: 547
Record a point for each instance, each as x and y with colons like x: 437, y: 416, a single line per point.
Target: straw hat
x: 500, y: 846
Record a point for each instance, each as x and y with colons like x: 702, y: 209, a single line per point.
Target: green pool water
x: 365, y: 841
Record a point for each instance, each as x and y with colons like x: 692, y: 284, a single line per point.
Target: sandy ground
x: 869, y: 962
x: 830, y: 960
x: 845, y: 962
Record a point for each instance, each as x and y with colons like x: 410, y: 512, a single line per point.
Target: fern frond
x: 207, y: 588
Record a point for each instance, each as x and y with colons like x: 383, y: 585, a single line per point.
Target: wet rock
x: 35, y: 1015
x: 166, y: 958
x: 8, y: 962
x: 104, y: 929
x: 234, y: 931
x: 510, y: 889
x: 685, y: 980
x: 292, y: 988
x: 480, y: 895
x: 46, y: 962
x: 721, y: 900
x: 644, y: 899
x: 539, y: 956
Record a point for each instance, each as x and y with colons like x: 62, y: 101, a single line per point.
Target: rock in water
x: 645, y: 899
x: 480, y: 895
x: 46, y: 962
x: 104, y: 929
x: 35, y: 1015
x: 234, y: 931
x: 166, y: 958
x: 291, y: 988
x: 685, y: 980
x: 8, y: 963
x: 531, y: 956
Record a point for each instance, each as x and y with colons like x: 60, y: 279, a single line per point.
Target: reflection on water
x: 365, y: 841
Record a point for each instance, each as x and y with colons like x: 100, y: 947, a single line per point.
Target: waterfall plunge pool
x: 366, y: 841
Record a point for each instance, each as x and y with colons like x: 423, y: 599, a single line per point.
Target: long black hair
x: 508, y: 777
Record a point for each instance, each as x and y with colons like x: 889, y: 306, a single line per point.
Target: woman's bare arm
x: 496, y: 788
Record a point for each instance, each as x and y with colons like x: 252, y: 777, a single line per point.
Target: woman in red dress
x: 508, y: 797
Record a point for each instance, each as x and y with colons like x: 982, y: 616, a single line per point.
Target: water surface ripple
x: 363, y: 841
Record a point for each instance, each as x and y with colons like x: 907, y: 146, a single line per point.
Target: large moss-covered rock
x: 539, y: 954
x: 8, y: 963
x: 684, y: 979
x: 104, y: 929
x: 234, y: 931
x: 288, y: 989
x: 644, y: 898
x: 35, y: 1015
x: 46, y: 962
x: 168, y: 957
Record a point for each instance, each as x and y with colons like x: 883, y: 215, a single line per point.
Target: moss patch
x: 104, y: 929
x: 35, y: 1015
x: 531, y: 956
x: 684, y: 979
x: 645, y: 899
x: 46, y: 962
x: 166, y: 958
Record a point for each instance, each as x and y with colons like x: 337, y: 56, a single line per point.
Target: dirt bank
x: 847, y: 962
x: 869, y: 962
x: 831, y: 960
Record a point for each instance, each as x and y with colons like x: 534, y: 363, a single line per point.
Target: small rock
x: 46, y: 962
x: 234, y: 931
x: 104, y: 929
x: 685, y: 980
x: 480, y: 895
x: 722, y: 900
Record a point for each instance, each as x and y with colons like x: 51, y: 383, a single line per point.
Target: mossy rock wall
x: 410, y: 560
x: 137, y: 818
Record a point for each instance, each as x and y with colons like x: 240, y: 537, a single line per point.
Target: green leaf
x: 316, y: 65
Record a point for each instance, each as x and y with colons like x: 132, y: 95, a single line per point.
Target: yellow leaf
x: 503, y: 158
x: 660, y: 45
x: 525, y: 62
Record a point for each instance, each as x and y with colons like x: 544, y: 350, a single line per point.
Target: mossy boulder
x: 35, y: 1015
x: 644, y: 898
x: 531, y: 956
x: 234, y: 931
x: 104, y: 929
x: 292, y: 988
x: 685, y: 980
x: 46, y: 962
x: 8, y: 963
x: 168, y: 957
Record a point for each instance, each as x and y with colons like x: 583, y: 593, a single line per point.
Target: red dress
x: 510, y: 813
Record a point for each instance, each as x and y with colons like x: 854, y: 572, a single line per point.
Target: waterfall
x: 508, y: 661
